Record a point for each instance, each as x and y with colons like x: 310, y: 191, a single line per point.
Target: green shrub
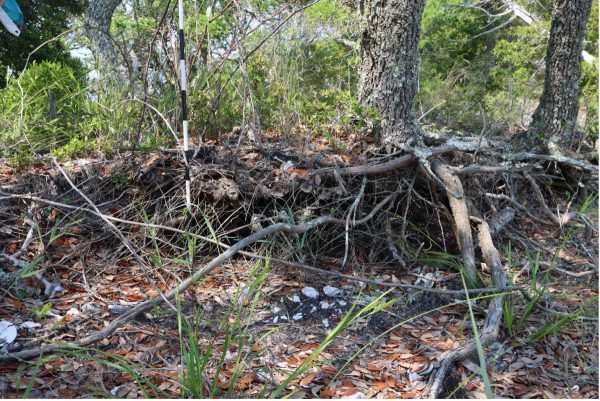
x: 26, y: 110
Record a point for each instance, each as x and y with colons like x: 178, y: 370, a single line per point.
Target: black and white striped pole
x: 184, y: 111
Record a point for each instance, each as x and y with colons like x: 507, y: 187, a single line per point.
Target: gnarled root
x: 461, y: 216
x: 489, y: 333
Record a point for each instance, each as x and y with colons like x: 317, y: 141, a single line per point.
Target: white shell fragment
x: 331, y: 291
x: 297, y: 316
x: 115, y: 390
x: 89, y: 307
x: 296, y: 299
x: 310, y: 292
x: 414, y: 377
x: 325, y: 305
x: 264, y: 377
x: 325, y: 322
x: 288, y: 165
x: 8, y: 332
x: 30, y: 325
x: 73, y: 312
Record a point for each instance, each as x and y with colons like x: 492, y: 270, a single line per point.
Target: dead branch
x: 499, y: 221
x: 519, y: 207
x: 30, y: 234
x: 183, y: 286
x: 391, y: 243
x: 583, y: 165
x: 479, y: 169
x: 118, y: 233
x: 352, y: 213
x: 540, y: 198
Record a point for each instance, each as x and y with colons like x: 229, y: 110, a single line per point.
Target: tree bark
x: 556, y: 115
x: 389, y: 69
x: 97, y: 19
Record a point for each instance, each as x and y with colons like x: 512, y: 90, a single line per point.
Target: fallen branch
x: 183, y: 286
x: 118, y: 233
x: 540, y: 198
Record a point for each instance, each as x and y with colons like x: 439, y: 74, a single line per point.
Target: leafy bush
x: 502, y: 71
x: 43, y: 106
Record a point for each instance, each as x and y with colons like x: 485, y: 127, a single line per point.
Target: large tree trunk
x: 556, y: 114
x: 389, y: 70
x: 98, y: 17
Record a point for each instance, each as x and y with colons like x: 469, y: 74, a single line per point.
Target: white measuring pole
x: 184, y: 111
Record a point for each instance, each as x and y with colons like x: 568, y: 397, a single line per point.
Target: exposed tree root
x: 491, y: 327
x: 554, y: 158
x: 249, y: 199
x: 460, y: 213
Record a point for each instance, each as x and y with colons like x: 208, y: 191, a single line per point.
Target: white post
x: 184, y: 111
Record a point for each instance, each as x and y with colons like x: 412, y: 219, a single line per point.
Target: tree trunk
x: 556, y: 115
x: 389, y: 69
x: 98, y: 17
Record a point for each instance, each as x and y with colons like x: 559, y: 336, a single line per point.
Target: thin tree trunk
x: 98, y: 17
x: 556, y: 115
x: 389, y: 70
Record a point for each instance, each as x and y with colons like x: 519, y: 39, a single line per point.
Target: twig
x: 478, y: 169
x: 352, y: 212
x: 494, y: 29
x: 284, y: 262
x: 391, y: 243
x: 30, y: 233
x: 382, y: 168
x: 118, y: 233
x: 554, y: 158
x: 540, y: 198
x: 567, y: 272
x: 182, y: 287
x: 518, y: 206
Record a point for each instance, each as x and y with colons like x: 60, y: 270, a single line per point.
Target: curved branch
x: 183, y: 286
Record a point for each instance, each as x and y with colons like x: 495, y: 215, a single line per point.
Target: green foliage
x: 499, y: 73
x: 446, y: 43
x: 302, y: 74
x: 589, y: 308
x: 482, y: 364
x: 44, y: 20
x: 40, y: 312
x: 299, y: 76
x: 589, y: 98
x: 25, y: 105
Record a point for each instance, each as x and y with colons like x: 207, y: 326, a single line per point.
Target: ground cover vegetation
x: 390, y: 199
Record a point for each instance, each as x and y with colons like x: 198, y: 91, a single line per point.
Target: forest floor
x: 257, y: 321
